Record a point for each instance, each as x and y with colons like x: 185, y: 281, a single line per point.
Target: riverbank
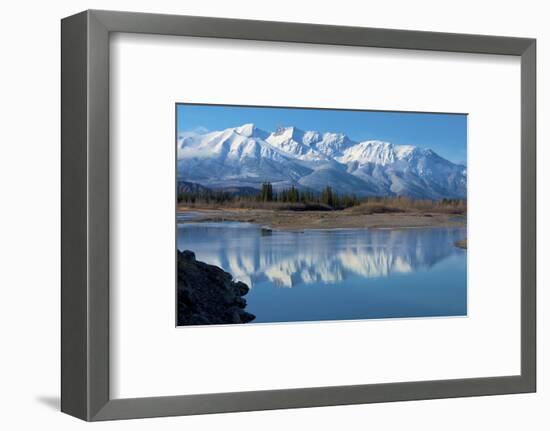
x: 345, y: 219
x: 462, y: 244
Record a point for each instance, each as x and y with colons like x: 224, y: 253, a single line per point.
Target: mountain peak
x: 288, y: 132
x: 311, y: 137
x: 246, y: 129
x: 377, y: 152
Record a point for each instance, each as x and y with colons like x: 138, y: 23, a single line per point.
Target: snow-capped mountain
x: 246, y: 156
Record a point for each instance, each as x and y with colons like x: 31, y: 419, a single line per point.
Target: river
x: 337, y: 274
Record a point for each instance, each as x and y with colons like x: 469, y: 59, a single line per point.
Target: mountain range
x: 247, y: 156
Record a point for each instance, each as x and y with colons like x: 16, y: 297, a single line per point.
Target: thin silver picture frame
x: 85, y: 214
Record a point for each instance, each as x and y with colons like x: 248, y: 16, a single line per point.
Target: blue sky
x: 446, y: 134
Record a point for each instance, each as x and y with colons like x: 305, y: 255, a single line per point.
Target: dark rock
x: 243, y: 288
x: 208, y: 295
x: 241, y: 302
x: 247, y: 317
x: 187, y: 255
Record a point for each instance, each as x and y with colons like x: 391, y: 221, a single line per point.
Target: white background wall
x: 29, y: 227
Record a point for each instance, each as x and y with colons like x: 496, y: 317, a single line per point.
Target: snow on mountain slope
x: 309, y: 145
x: 248, y: 156
x: 292, y: 141
x: 238, y: 156
x: 377, y: 152
x: 333, y: 144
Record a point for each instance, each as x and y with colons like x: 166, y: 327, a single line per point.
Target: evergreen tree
x: 266, y: 193
x: 327, y: 196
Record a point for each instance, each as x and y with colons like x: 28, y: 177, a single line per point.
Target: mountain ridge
x: 247, y: 156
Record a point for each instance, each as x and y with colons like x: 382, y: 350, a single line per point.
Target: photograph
x: 272, y: 216
x: 307, y: 214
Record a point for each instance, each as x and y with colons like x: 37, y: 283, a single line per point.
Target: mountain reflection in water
x: 419, y: 271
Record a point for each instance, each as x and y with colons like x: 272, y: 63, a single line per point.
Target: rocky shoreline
x: 208, y: 295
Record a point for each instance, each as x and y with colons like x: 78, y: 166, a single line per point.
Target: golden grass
x: 404, y: 204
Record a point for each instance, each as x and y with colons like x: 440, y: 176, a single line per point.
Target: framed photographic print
x: 262, y: 215
x: 316, y: 225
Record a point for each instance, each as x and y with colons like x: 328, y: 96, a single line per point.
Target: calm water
x: 336, y: 274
